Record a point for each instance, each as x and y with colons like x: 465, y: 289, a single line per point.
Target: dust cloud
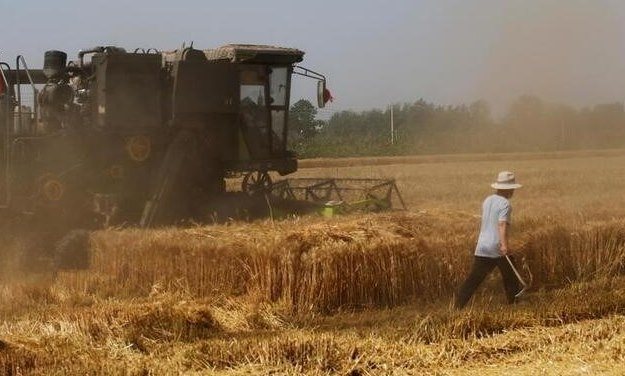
x: 569, y: 51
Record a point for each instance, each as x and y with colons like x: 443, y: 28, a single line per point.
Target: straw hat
x: 505, y: 180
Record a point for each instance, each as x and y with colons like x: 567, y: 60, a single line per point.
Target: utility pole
x: 562, y: 134
x: 392, y: 127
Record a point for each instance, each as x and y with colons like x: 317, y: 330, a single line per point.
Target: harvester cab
x: 230, y: 106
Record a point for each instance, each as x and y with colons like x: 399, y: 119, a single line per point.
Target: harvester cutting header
x: 143, y: 137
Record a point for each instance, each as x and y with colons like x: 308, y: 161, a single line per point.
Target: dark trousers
x: 482, y: 266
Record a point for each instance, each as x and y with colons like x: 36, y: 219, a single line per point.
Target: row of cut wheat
x: 374, y: 261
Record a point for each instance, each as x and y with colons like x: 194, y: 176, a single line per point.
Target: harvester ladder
x: 5, y: 73
x: 34, y: 113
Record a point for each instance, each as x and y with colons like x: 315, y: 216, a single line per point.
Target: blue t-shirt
x: 495, y: 209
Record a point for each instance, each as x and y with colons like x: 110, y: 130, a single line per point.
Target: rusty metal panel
x: 21, y: 76
x: 128, y: 90
x: 204, y: 87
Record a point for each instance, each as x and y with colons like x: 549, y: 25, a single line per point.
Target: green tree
x: 303, y: 124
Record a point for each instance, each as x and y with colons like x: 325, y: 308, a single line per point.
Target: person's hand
x: 504, y: 250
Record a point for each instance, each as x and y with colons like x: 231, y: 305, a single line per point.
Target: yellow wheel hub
x: 139, y: 148
x: 53, y: 189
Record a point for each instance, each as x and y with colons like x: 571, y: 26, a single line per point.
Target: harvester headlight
x: 53, y: 189
x: 139, y: 147
x: 116, y: 172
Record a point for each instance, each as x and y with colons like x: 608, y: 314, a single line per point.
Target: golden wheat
x: 380, y: 260
x: 358, y: 295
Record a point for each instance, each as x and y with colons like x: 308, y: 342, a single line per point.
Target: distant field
x: 442, y: 158
x: 585, y: 184
x: 356, y: 295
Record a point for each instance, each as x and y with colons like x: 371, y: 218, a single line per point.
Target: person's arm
x: 503, y: 237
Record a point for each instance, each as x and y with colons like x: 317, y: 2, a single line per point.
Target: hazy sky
x: 374, y: 52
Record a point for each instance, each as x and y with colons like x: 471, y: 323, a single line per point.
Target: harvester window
x: 253, y: 105
x: 253, y: 94
x: 254, y: 115
x: 252, y: 87
x: 254, y: 112
x: 277, y: 128
x: 278, y: 86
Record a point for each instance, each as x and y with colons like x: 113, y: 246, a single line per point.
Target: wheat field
x: 362, y: 294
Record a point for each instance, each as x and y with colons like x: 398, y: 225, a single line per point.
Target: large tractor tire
x: 256, y: 183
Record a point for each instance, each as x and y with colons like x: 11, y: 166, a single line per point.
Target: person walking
x: 492, y: 244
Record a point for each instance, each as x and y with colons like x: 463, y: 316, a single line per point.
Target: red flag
x: 327, y: 96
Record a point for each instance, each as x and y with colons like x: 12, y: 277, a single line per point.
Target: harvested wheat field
x: 365, y: 294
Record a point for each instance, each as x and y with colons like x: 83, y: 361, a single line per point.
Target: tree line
x: 529, y: 124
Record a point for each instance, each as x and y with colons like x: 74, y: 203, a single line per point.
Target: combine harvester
x: 148, y: 138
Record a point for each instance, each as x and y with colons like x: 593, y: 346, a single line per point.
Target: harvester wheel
x: 256, y: 182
